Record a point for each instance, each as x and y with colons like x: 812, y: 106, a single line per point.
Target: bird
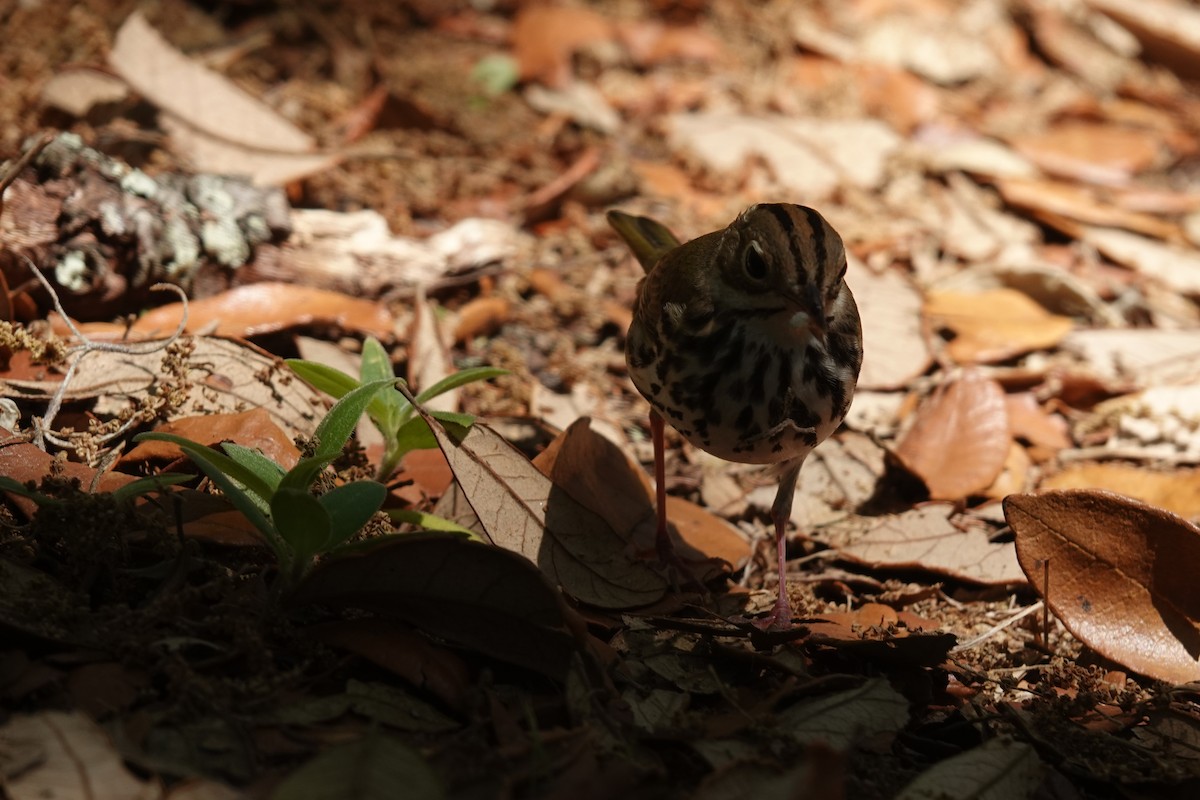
x: 748, y: 341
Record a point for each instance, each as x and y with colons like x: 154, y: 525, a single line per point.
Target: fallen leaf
x: 1178, y: 267
x: 1121, y: 576
x: 78, y: 90
x: 374, y: 766
x: 999, y: 767
x: 215, y: 125
x: 523, y: 511
x: 1169, y: 32
x: 474, y: 595
x: 24, y: 462
x: 809, y: 157
x: 959, y: 439
x: 894, y: 347
x: 220, y: 376
x: 840, y: 719
x: 481, y: 317
x: 253, y: 429
x: 1029, y: 421
x: 650, y: 43
x: 925, y: 538
x: 935, y: 46
x: 74, y: 759
x: 544, y: 38
x: 428, y: 355
x: 994, y: 325
x: 1177, y: 491
x: 1078, y: 202
x: 258, y: 308
x: 1092, y: 152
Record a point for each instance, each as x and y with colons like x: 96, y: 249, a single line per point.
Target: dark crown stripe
x: 816, y: 226
x: 787, y: 223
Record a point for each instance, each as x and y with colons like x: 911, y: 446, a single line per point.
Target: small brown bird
x: 747, y: 340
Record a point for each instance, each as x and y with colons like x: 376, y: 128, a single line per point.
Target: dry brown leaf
x: 74, y: 758
x: 1169, y: 31
x: 259, y: 308
x: 222, y: 376
x: 544, y: 38
x: 1092, y: 152
x: 523, y: 511
x: 215, y: 125
x: 959, y: 440
x: 24, y: 462
x: 1014, y: 477
x: 1175, y: 265
x: 995, y: 325
x: 1081, y: 203
x: 1177, y: 491
x: 76, y: 90
x: 650, y: 43
x: 1027, y: 420
x: 810, y: 157
x: 480, y: 317
x: 253, y: 429
x: 1143, y: 356
x: 428, y: 356
x: 925, y: 538
x: 603, y: 478
x: 1122, y: 576
x: 894, y: 347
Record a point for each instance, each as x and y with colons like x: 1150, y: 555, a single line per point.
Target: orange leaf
x: 1121, y: 576
x: 959, y: 440
x: 1177, y: 491
x: 544, y: 39
x: 995, y: 325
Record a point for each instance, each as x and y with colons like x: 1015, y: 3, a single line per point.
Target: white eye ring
x: 762, y: 260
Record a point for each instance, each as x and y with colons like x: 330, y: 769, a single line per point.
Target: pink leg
x: 781, y: 512
x: 662, y: 539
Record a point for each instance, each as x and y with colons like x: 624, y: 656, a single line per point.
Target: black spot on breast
x: 758, y: 379
x: 744, y: 418
x: 802, y: 415
x: 655, y: 388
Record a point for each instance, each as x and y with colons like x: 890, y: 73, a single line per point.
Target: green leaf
x: 415, y: 434
x: 212, y: 461
x: 146, y: 485
x: 460, y: 378
x: 376, y: 767
x: 338, y: 424
x: 218, y: 467
x: 388, y: 409
x: 331, y: 381
x: 349, y: 507
x: 429, y: 522
x: 331, y: 435
x: 302, y: 522
x: 253, y: 460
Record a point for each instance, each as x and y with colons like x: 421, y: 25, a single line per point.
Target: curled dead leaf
x: 995, y: 325
x: 1121, y: 576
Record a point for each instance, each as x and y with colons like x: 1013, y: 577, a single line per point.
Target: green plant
x: 390, y: 412
x: 297, y: 524
x: 122, y: 494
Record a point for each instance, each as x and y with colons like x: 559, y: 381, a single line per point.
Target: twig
x: 997, y: 628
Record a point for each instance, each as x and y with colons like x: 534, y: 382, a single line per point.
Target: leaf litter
x: 1015, y: 195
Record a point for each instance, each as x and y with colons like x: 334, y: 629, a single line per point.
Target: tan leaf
x: 74, y: 759
x: 1121, y: 576
x: 1078, y: 202
x: 894, y: 349
x: 1170, y: 32
x: 995, y: 325
x: 428, y: 356
x: 259, y: 308
x: 1177, y: 491
x: 1092, y: 152
x: 523, y: 511
x: 1176, y: 266
x: 217, y: 126
x: 480, y: 317
x: 925, y: 538
x: 1027, y: 420
x: 959, y: 439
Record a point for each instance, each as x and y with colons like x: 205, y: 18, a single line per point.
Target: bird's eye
x: 753, y: 263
